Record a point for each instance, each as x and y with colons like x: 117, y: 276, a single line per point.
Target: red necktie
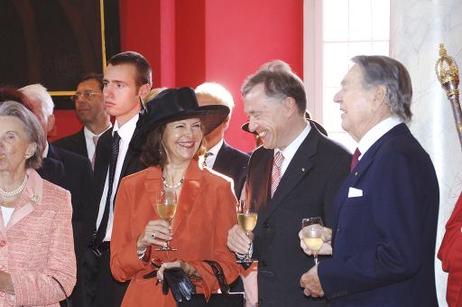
x: 276, y: 171
x: 354, y: 159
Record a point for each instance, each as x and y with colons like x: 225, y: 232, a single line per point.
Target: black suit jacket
x: 75, y: 143
x: 306, y: 189
x: 232, y: 163
x: 73, y: 172
x: 131, y: 164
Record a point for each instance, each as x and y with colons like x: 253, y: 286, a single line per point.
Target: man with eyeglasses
x: 89, y: 108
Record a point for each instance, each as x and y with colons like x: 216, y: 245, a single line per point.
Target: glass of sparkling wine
x: 247, y: 219
x: 312, y: 235
x: 165, y: 206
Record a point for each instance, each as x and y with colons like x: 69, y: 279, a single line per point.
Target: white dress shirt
x: 91, y: 146
x: 376, y: 133
x: 126, y: 133
x: 289, y: 152
x: 213, y: 153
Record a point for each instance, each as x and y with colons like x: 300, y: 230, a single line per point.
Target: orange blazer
x: 36, y: 244
x: 205, y: 213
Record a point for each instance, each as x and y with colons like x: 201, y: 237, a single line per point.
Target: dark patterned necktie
x: 95, y: 142
x: 101, y: 233
x: 354, y: 159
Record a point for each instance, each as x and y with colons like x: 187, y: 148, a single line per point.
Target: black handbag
x: 223, y: 299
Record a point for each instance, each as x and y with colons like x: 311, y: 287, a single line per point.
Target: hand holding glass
x: 165, y: 206
x: 312, y: 229
x: 247, y: 219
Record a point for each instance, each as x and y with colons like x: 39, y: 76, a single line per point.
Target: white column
x: 417, y: 29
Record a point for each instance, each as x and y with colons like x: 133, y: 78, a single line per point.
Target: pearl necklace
x: 173, y: 186
x: 11, y: 194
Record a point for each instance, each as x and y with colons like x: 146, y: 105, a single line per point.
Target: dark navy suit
x: 384, y: 240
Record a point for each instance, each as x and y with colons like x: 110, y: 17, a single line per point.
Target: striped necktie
x: 276, y: 171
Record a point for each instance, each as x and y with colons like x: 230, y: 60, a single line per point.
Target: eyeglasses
x: 85, y: 95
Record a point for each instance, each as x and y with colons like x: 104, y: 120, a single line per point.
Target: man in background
x: 89, y: 108
x: 293, y: 175
x: 386, y: 211
x: 127, y: 80
x: 73, y: 173
x: 221, y: 156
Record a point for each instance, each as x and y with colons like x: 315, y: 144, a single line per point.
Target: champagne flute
x: 312, y: 228
x: 247, y: 219
x: 165, y: 206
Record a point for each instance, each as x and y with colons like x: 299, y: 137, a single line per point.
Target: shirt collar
x: 289, y: 152
x: 89, y: 135
x: 376, y: 133
x: 126, y: 130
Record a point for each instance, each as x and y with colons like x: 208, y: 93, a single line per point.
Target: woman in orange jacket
x: 174, y: 126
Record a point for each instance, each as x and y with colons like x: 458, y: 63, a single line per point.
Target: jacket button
x: 2, y: 243
x: 266, y: 225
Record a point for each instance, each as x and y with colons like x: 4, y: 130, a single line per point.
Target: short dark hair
x: 383, y: 70
x: 143, y: 68
x: 93, y: 76
x: 279, y: 81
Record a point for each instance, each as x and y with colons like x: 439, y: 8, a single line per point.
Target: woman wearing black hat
x: 172, y: 132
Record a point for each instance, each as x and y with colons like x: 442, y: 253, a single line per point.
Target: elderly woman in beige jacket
x: 37, y: 260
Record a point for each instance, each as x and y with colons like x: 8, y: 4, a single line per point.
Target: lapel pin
x: 35, y: 198
x: 303, y: 170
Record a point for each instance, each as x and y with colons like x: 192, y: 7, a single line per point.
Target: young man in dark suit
x: 221, y: 156
x: 127, y: 80
x: 71, y: 172
x: 89, y: 108
x: 386, y: 211
x: 293, y: 175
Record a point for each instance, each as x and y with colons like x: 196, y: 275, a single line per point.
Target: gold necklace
x: 173, y: 186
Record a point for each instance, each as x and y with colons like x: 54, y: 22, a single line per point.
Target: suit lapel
x: 131, y: 161
x: 188, y: 194
x: 222, y: 159
x: 362, y: 167
x: 32, y: 196
x: 103, y: 154
x: 82, y: 143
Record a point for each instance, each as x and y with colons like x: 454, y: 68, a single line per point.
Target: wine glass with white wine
x: 165, y: 206
x: 312, y: 228
x: 247, y: 219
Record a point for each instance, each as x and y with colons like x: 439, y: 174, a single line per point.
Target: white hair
x: 217, y: 92
x: 39, y: 93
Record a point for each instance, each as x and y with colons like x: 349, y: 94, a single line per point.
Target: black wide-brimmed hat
x: 175, y: 104
x: 318, y: 126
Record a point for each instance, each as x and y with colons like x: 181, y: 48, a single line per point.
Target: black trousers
x: 105, y: 290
